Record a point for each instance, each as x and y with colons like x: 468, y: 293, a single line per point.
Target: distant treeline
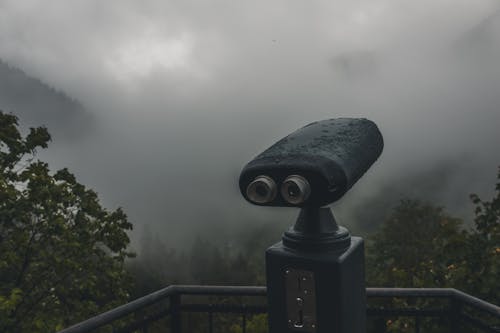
x: 419, y: 245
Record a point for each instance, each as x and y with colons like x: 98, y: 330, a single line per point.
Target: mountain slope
x: 36, y: 103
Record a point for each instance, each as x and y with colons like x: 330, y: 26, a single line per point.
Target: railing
x: 452, y: 310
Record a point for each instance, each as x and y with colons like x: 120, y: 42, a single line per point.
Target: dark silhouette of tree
x: 411, y: 248
x: 61, y: 253
x: 420, y: 245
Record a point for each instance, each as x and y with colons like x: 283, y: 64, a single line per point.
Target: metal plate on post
x: 300, y: 300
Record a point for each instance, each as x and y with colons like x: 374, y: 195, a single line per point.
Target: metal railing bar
x: 176, y: 290
x: 210, y: 321
x: 146, y: 320
x: 478, y: 324
x: 455, y: 315
x: 410, y: 292
x: 123, y: 310
x: 477, y: 303
x: 244, y: 320
x: 221, y: 290
x: 406, y: 312
x: 223, y: 308
x: 435, y: 292
x: 120, y: 311
x: 176, y: 318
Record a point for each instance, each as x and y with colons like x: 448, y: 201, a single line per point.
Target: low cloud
x: 184, y: 93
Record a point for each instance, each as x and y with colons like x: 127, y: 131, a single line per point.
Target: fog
x: 183, y: 93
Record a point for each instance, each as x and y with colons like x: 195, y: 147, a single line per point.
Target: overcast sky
x: 184, y: 93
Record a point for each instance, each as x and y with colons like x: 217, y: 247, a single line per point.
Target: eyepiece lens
x: 262, y: 190
x: 295, y: 189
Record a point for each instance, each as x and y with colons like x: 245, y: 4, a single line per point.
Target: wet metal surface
x: 331, y: 154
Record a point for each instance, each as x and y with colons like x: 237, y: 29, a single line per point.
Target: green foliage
x: 256, y: 324
x: 478, y: 268
x: 413, y: 246
x: 421, y: 246
x: 61, y: 253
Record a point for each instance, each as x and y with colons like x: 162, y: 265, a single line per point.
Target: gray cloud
x: 185, y: 92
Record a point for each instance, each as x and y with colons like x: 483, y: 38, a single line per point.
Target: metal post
x: 315, y: 278
x: 244, y: 319
x: 210, y: 320
x: 175, y: 306
x: 455, y: 310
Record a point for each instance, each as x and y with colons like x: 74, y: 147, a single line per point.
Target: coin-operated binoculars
x: 315, y: 275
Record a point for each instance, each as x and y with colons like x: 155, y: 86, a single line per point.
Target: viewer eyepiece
x: 295, y: 189
x: 261, y: 190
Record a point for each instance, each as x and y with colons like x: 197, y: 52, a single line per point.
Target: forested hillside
x: 36, y: 103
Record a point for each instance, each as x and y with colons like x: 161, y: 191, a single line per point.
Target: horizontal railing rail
x: 157, y: 296
x: 455, y: 312
x: 435, y: 292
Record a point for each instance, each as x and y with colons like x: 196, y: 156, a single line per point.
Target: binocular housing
x: 313, y: 166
